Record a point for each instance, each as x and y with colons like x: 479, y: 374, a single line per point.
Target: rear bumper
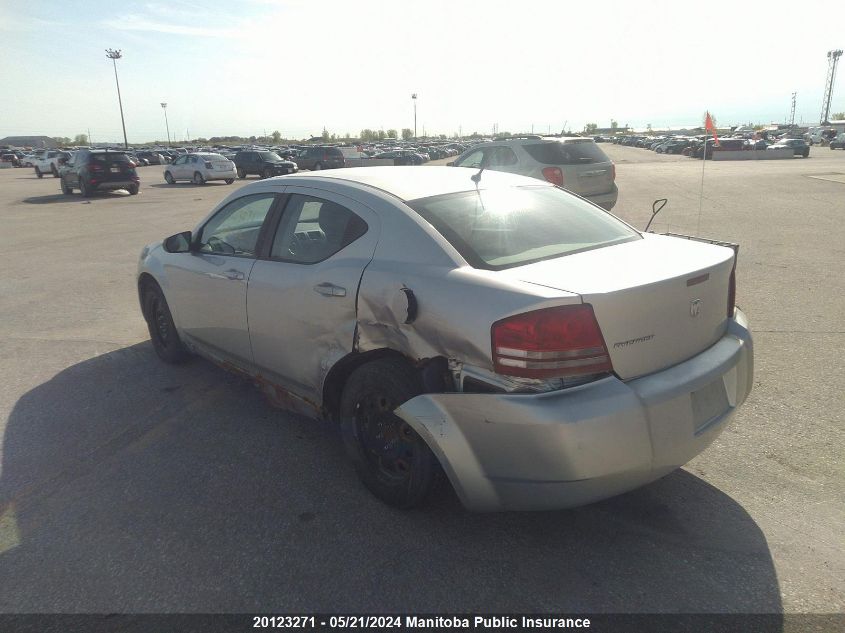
x: 605, y: 200
x: 220, y: 175
x: 579, y: 445
x: 114, y: 184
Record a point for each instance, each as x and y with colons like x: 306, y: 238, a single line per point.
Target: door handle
x: 234, y: 275
x: 329, y: 290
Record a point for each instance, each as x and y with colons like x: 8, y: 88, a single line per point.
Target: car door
x: 302, y: 296
x: 177, y: 167
x: 207, y: 287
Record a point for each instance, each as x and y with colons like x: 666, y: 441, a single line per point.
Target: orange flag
x: 710, y: 127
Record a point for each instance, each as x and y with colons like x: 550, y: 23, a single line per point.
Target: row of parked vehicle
x: 704, y: 146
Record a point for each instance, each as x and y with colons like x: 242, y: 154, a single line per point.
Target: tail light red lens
x: 550, y: 343
x: 97, y: 168
x: 732, y: 292
x: 553, y: 175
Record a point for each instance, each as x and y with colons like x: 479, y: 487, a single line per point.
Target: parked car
x: 10, y: 158
x: 540, y: 351
x: 92, y: 170
x: 264, y: 164
x: 402, y: 157
x: 838, y: 142
x: 798, y: 146
x: 320, y: 157
x: 577, y: 164
x: 152, y: 158
x: 48, y: 162
x: 200, y: 168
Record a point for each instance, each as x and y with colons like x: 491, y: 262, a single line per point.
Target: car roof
x: 411, y: 183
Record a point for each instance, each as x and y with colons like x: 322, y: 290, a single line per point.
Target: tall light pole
x: 114, y: 55
x: 414, y: 98
x: 166, y: 124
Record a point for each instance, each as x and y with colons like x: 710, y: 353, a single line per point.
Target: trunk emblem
x: 695, y: 307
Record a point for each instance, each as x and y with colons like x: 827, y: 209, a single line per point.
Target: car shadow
x: 186, y: 184
x: 76, y: 197
x: 128, y: 485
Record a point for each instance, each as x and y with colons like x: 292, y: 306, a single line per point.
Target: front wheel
x: 133, y: 190
x: 166, y: 342
x: 168, y: 178
x: 391, y: 459
x: 229, y: 181
x: 38, y: 173
x: 267, y: 174
x: 198, y: 179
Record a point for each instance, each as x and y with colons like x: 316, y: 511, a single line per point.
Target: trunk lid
x: 658, y: 301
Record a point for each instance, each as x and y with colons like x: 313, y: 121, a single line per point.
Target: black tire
x: 38, y: 173
x: 54, y: 171
x: 229, y: 181
x: 66, y: 189
x: 241, y: 173
x: 267, y: 174
x: 391, y: 459
x: 198, y: 178
x: 85, y: 189
x: 806, y: 154
x: 166, y: 342
x: 168, y: 178
x: 318, y: 166
x: 133, y: 190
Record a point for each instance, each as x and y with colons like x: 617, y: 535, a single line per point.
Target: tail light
x: 613, y: 171
x: 550, y: 343
x: 208, y: 164
x: 732, y: 291
x: 553, y: 175
x: 96, y: 167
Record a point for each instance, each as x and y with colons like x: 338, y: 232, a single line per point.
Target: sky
x: 243, y: 67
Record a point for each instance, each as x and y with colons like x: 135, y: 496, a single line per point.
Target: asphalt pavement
x: 129, y: 485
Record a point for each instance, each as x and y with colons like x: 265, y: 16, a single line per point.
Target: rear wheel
x: 38, y: 173
x: 133, y: 190
x: 391, y: 459
x: 267, y: 174
x: 198, y: 179
x: 66, y: 189
x: 166, y: 342
x: 241, y: 173
x: 54, y: 171
x: 229, y: 181
x: 85, y: 189
x: 318, y: 166
x: 168, y: 178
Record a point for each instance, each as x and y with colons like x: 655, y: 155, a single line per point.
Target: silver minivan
x: 574, y: 163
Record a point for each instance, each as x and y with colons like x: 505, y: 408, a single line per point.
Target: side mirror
x: 179, y: 243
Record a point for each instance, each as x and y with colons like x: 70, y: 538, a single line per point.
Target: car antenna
x: 655, y: 210
x: 476, y: 178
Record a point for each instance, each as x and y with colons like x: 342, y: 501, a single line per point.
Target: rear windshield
x: 556, y: 153
x: 109, y: 158
x: 212, y: 157
x: 507, y: 227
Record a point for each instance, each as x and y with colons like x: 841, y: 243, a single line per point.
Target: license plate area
x: 708, y: 404
x: 115, y: 170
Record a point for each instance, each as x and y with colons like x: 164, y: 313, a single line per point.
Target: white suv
x: 575, y: 163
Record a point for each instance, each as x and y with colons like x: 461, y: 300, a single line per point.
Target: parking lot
x: 127, y: 485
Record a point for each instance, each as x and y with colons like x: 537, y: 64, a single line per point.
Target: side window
x: 313, y: 229
x: 235, y: 228
x: 501, y: 157
x: 473, y: 160
x: 193, y: 159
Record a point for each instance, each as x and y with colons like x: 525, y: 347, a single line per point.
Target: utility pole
x: 114, y: 55
x: 166, y: 124
x: 832, y: 61
x: 90, y: 142
x: 414, y: 99
x: 792, y: 114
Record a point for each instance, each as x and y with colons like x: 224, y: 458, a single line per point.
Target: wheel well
x: 432, y: 373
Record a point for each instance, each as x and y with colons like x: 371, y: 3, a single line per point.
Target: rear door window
x: 557, y: 153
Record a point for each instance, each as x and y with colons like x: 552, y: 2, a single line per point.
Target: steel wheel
x: 387, y: 440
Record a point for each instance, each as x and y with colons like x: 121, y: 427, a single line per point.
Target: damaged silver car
x: 529, y: 345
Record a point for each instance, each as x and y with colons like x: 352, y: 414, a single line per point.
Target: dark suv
x: 264, y: 164
x: 319, y: 157
x: 93, y: 170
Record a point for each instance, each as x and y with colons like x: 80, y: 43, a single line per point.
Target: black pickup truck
x: 263, y: 164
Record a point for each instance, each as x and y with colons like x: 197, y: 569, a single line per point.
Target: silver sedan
x: 502, y: 331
